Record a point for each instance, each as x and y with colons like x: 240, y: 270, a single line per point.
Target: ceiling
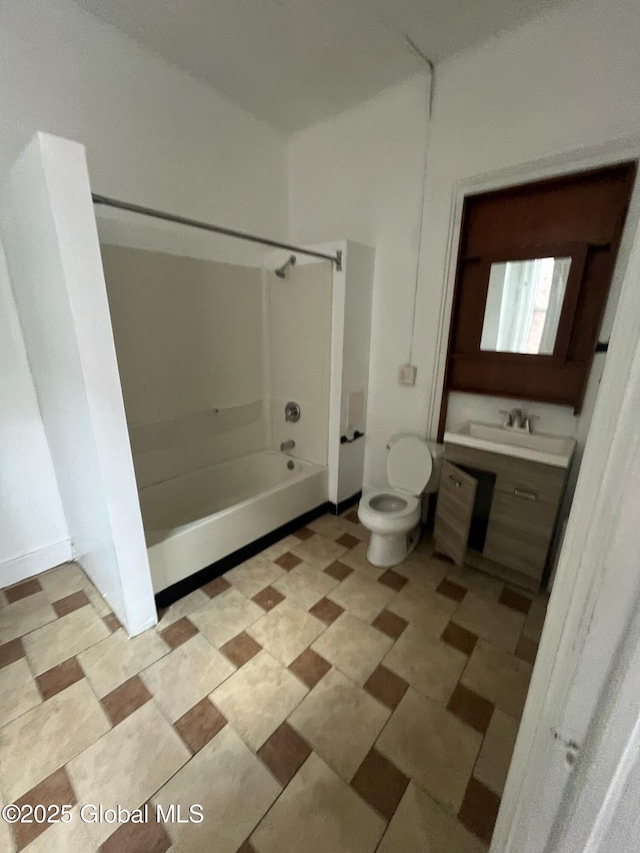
x: 295, y: 62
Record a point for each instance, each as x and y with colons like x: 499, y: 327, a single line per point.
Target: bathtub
x: 199, y: 518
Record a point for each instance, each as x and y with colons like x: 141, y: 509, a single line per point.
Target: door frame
x: 595, y: 596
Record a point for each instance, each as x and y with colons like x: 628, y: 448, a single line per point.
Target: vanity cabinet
x: 498, y: 512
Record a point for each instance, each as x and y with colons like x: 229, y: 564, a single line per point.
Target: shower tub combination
x: 197, y: 519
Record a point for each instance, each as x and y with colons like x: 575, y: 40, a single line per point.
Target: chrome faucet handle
x: 528, y: 422
x: 506, y: 422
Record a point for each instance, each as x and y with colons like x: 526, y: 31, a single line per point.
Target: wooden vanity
x: 498, y: 513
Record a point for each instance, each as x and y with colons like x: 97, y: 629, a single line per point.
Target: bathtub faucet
x: 287, y: 445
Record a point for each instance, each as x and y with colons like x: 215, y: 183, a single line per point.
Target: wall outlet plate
x: 407, y: 374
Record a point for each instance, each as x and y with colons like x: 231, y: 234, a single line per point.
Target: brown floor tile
x: 178, y: 633
x: 327, y: 611
x: 126, y: 699
x: 241, y: 649
x: 22, y: 590
x: 479, y: 810
x: 287, y: 561
x: 527, y: 649
x: 71, y: 602
x: 338, y: 571
x: 284, y: 753
x: 200, y: 724
x: 353, y: 517
x: 386, y: 686
x: 268, y: 598
x: 59, y: 678
x: 380, y: 783
x: 150, y: 837
x: 310, y: 667
x: 390, y: 624
x: 515, y: 600
x: 54, y: 790
x: 112, y: 622
x: 215, y: 587
x: 461, y: 639
x: 246, y: 848
x: 392, y: 579
x: 348, y: 540
x: 451, y: 590
x: 11, y: 652
x: 304, y: 533
x: 472, y: 709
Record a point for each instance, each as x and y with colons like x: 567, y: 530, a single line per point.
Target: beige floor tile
x: 258, y: 698
x: 424, y: 569
x: 340, y: 721
x: 179, y: 680
x: 117, y: 658
x: 251, y: 577
x: 331, y: 526
x: 50, y: 645
x: 499, y: 625
x: 18, y: 691
x: 6, y: 838
x: 363, y: 597
x: 77, y: 836
x: 25, y: 615
x: 478, y: 582
x: 130, y: 763
x: 183, y: 607
x: 352, y: 646
x: 421, y: 825
x: 286, y: 631
x: 318, y: 551
x: 356, y: 558
x: 419, y: 604
x: 499, y: 676
x: 497, y: 748
x: 62, y: 581
x: 234, y: 788
x: 432, y: 747
x: 535, y: 620
x: 279, y: 548
x: 225, y: 616
x: 99, y: 604
x: 305, y: 584
x: 318, y: 813
x: 48, y: 736
x: 431, y: 667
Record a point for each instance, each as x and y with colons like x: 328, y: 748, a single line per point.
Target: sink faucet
x: 516, y: 419
x: 287, y: 445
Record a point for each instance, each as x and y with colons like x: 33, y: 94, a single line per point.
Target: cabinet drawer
x: 519, y: 532
x: 532, y: 483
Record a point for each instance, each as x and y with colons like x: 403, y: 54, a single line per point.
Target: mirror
x: 524, y: 303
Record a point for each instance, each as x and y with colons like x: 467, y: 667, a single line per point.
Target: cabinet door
x: 519, y: 532
x: 453, y: 514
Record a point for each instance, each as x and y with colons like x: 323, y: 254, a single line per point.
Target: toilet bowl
x: 393, y: 514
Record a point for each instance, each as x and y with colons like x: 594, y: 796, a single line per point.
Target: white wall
x: 358, y: 176
x: 557, y: 85
x: 54, y: 264
x: 154, y: 136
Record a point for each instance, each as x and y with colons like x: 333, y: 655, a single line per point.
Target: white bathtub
x: 197, y: 519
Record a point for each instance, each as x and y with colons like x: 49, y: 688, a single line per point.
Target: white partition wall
x: 53, y: 256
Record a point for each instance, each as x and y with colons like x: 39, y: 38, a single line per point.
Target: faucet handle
x: 506, y: 422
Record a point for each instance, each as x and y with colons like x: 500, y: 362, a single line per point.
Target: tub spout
x: 287, y: 445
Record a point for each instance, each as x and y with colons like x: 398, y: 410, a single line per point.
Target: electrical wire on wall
x: 429, y: 104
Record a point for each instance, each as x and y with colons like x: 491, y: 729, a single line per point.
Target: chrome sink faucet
x: 287, y: 445
x: 517, y: 420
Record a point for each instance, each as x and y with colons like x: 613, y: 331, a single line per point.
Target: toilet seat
x: 409, y: 503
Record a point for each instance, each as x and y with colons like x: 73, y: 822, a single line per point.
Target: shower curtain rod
x: 217, y: 229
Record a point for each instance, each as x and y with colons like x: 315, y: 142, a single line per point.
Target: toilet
x: 393, y: 514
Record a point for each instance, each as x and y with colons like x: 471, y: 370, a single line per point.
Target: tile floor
x: 306, y: 700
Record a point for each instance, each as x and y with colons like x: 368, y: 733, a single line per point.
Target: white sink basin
x: 538, y: 447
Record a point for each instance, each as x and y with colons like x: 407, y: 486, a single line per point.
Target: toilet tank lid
x: 409, y: 464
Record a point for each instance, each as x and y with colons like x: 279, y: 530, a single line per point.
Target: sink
x: 538, y: 447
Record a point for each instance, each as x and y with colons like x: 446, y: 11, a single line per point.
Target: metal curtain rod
x: 217, y: 229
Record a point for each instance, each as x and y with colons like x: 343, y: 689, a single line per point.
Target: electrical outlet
x: 407, y: 374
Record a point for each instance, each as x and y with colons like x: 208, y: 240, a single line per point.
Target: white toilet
x: 393, y: 515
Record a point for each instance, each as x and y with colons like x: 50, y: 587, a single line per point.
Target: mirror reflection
x: 523, y: 307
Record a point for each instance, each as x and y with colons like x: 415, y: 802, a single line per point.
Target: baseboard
x: 27, y: 565
x: 178, y: 590
x: 343, y: 506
